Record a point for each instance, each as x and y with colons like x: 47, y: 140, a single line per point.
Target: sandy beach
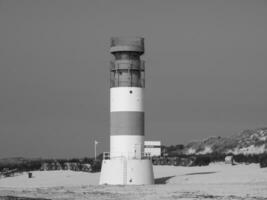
x: 216, y: 181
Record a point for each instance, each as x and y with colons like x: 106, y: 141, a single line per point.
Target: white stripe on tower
x: 126, y: 99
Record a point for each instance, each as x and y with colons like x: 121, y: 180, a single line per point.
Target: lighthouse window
x: 131, y: 91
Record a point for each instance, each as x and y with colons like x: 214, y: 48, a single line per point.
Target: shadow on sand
x: 163, y: 180
x: 200, y: 173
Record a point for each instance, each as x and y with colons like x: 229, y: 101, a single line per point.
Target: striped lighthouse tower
x: 126, y: 162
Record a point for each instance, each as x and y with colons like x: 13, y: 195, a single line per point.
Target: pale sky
x: 206, y: 71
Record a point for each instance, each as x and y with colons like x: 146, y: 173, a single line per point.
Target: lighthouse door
x: 137, y: 151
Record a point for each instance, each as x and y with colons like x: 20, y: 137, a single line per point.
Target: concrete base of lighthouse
x: 121, y: 171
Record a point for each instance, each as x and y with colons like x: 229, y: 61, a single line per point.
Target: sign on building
x: 153, y: 148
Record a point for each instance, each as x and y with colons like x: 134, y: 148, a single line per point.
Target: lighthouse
x: 126, y: 162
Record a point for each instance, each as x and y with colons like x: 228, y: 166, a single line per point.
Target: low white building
x: 152, y: 148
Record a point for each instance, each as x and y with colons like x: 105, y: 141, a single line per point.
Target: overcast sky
x: 206, y: 72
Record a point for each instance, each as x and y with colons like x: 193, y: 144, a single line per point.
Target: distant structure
x: 229, y: 160
x: 126, y: 163
x: 153, y: 148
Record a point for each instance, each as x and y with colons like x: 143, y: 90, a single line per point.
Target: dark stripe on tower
x: 127, y: 123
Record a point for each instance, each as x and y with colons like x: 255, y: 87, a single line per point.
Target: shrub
x: 263, y: 161
x: 201, y: 161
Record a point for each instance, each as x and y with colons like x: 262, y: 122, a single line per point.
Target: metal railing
x: 131, y: 156
x: 127, y: 64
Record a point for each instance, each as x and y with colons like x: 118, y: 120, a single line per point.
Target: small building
x: 152, y: 148
x: 229, y: 160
